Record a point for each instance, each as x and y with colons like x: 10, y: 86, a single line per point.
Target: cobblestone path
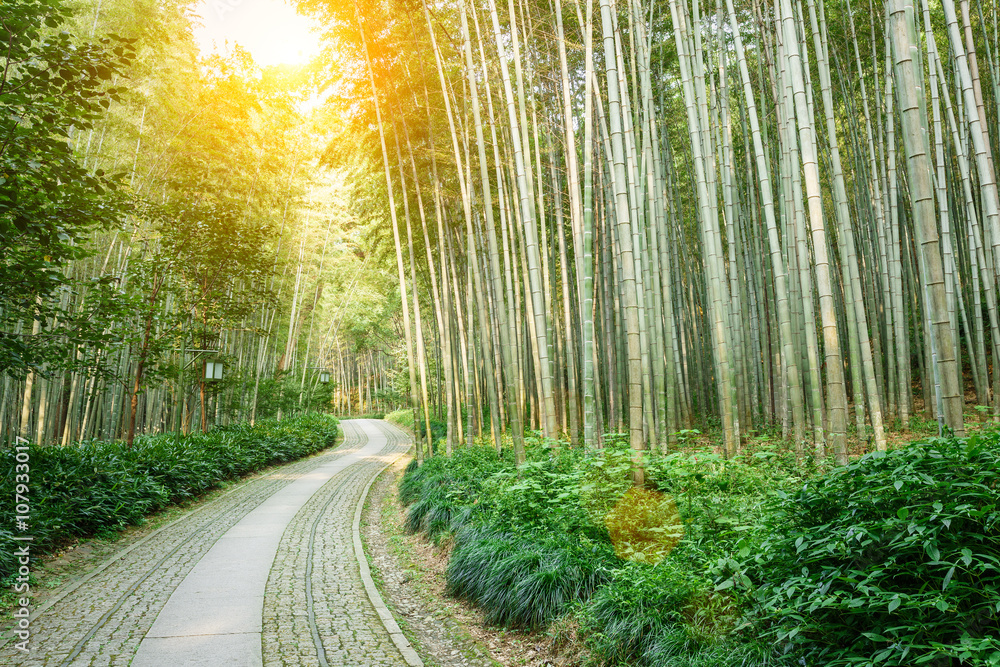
x: 266, y: 574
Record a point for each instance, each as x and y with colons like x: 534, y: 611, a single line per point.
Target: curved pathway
x: 266, y: 574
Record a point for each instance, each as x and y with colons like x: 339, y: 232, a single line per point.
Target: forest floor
x: 446, y: 632
x: 411, y: 569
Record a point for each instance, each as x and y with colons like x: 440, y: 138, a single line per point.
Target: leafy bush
x: 605, y: 477
x: 524, y: 581
x: 542, y: 494
x: 722, y: 503
x: 644, y: 526
x: 659, y: 615
x: 892, y: 560
x: 96, y: 487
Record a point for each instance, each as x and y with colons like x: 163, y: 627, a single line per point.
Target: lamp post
x: 213, y: 370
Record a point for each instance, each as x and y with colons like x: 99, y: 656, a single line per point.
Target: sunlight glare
x: 271, y: 30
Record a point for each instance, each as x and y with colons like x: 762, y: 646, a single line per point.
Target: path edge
x: 7, y: 634
x: 395, y: 633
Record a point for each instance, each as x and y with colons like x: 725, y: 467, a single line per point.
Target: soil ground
x: 446, y: 632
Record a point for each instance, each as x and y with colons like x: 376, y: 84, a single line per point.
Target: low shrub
x: 721, y: 502
x: 605, y: 476
x: 893, y: 559
x: 542, y: 494
x: 446, y: 488
x: 658, y: 615
x: 644, y: 526
x: 525, y: 581
x: 98, y: 487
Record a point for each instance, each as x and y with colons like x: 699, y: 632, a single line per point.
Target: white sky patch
x: 271, y: 30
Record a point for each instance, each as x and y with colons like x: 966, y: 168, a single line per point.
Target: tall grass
x: 444, y: 490
x: 524, y: 581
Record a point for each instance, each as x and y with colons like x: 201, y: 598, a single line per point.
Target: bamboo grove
x: 218, y: 239
x: 644, y: 216
x: 578, y: 217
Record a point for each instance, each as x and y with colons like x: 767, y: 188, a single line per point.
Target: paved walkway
x: 266, y: 574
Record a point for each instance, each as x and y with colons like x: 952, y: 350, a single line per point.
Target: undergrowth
x: 891, y: 560
x: 759, y: 560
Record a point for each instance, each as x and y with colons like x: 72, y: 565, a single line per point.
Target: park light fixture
x: 324, y: 377
x: 213, y: 370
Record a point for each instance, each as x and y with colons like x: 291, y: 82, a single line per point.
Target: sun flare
x: 271, y: 30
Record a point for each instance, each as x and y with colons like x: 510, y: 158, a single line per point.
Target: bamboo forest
x: 690, y: 308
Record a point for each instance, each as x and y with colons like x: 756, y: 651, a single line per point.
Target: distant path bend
x: 264, y: 575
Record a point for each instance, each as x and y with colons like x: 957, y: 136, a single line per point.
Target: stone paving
x: 315, y: 607
x: 318, y: 547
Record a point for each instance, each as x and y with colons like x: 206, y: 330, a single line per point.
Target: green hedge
x: 95, y: 487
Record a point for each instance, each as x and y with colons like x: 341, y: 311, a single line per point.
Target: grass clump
x: 96, y: 487
x: 524, y: 581
x: 446, y: 489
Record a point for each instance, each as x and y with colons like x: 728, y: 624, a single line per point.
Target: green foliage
x: 543, y: 494
x: 439, y: 431
x: 445, y: 489
x: 51, y: 86
x: 670, y: 613
x: 638, y: 605
x: 605, y: 477
x: 723, y: 503
x: 662, y: 615
x: 531, y: 542
x: 284, y: 395
x: 98, y: 487
x: 403, y: 417
x: 893, y: 559
x: 524, y: 581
